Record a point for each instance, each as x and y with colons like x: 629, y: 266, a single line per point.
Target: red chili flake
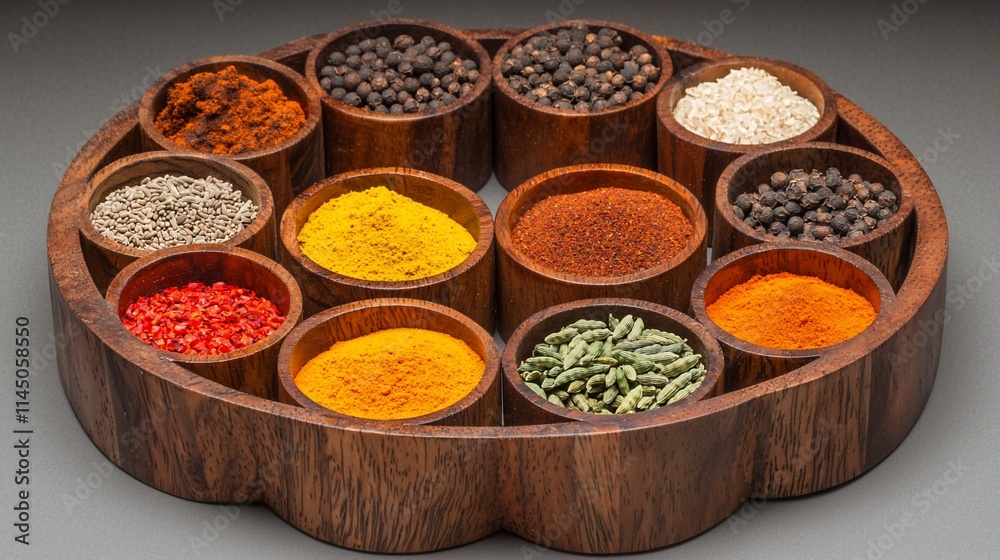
x: 204, y: 320
x: 602, y: 232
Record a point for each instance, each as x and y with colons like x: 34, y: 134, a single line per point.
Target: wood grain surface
x: 569, y: 485
x: 530, y: 139
x: 452, y: 141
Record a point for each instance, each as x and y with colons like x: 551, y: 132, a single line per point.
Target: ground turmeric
x: 392, y: 374
x: 789, y: 312
x: 381, y: 235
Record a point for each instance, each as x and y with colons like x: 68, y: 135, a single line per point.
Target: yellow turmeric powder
x: 392, y: 374
x: 384, y: 236
x: 791, y: 312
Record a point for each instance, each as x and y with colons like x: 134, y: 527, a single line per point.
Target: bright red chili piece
x: 203, y: 320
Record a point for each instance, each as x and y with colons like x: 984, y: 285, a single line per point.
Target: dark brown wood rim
x: 504, y: 227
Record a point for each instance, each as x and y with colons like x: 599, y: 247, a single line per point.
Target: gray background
x: 936, y: 73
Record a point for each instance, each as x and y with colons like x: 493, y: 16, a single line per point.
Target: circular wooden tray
x: 640, y: 483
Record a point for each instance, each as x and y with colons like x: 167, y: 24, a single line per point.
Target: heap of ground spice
x: 602, y: 232
x: 381, y: 235
x: 392, y: 374
x: 228, y: 113
x: 790, y: 312
x: 203, y: 320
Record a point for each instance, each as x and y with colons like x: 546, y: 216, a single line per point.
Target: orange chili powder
x: 392, y: 374
x: 790, y: 312
x: 228, y: 113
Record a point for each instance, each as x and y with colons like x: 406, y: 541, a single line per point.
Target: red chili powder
x: 201, y: 319
x: 226, y: 112
x: 602, y: 232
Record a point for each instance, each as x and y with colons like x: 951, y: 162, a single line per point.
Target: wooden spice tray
x: 771, y: 425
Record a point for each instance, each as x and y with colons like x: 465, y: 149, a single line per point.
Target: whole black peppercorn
x: 821, y: 232
x: 352, y: 99
x: 876, y: 188
x: 795, y: 225
x: 765, y: 216
x: 777, y: 227
x: 743, y: 202
x: 769, y: 199
x: 840, y: 224
x: 738, y: 212
x: 810, y: 200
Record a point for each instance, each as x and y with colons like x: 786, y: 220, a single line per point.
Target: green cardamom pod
x: 636, y: 330
x: 549, y: 351
x: 537, y: 390
x: 634, y: 345
x: 549, y: 383
x: 630, y: 401
x: 623, y: 387
x: 649, y: 390
x: 644, y: 403
x: 654, y: 379
x: 630, y: 373
x: 685, y: 392
x: 581, y: 402
x: 595, y: 384
x: 554, y: 372
x: 598, y: 334
x: 681, y: 365
x: 662, y: 357
x: 617, y: 402
x: 609, y: 344
x: 609, y: 394
x: 611, y: 378
x: 562, y: 336
x: 612, y: 322
x: 673, y: 387
x: 555, y: 400
x: 575, y: 373
x: 576, y: 352
x: 561, y: 394
x: 563, y: 350
x: 587, y: 325
x: 532, y: 376
x: 545, y: 361
x: 624, y: 327
x: 606, y: 361
x: 647, y: 350
x: 576, y: 386
x: 643, y: 365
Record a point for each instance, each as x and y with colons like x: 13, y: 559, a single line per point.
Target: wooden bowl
x: 109, y: 257
x: 452, y: 141
x: 252, y: 369
x: 887, y: 247
x: 524, y: 407
x: 749, y: 364
x: 572, y: 486
x: 697, y: 162
x: 288, y: 167
x: 468, y: 288
x: 317, y: 334
x: 530, y: 139
x: 526, y: 288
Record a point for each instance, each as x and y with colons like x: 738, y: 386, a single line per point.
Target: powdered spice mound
x: 602, y: 232
x: 202, y: 320
x: 790, y: 312
x: 383, y: 236
x: 392, y: 374
x: 228, y: 113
